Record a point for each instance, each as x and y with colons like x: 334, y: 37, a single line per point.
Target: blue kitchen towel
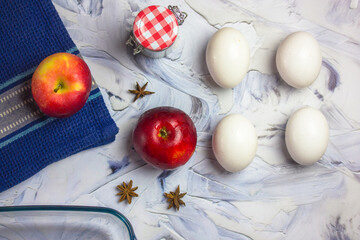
x: 31, y: 30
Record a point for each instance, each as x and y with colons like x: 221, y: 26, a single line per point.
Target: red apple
x: 61, y: 84
x: 165, y: 137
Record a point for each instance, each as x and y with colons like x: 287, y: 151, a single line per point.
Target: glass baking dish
x: 63, y: 223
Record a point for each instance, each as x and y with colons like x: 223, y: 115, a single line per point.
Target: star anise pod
x: 140, y: 91
x: 126, y: 191
x: 174, y: 198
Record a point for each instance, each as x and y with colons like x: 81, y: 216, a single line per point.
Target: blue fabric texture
x: 29, y: 32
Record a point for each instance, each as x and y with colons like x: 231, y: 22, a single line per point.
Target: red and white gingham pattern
x: 155, y: 28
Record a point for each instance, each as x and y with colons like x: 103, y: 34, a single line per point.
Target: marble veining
x: 274, y: 198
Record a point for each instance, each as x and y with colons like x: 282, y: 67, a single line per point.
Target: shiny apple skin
x: 165, y: 152
x: 61, y: 85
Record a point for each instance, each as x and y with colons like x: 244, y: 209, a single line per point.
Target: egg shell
x: 234, y: 142
x: 307, y: 135
x: 298, y: 59
x: 227, y: 57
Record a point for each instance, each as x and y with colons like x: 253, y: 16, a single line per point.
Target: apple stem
x: 58, y: 87
x: 163, y: 133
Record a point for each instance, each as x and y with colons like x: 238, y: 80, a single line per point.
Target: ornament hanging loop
x: 180, y: 16
x: 137, y: 48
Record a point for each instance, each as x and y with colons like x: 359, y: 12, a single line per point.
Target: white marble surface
x: 274, y: 198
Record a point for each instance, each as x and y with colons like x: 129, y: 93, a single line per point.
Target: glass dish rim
x: 74, y: 208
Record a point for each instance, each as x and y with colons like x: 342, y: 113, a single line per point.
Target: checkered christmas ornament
x: 155, y: 28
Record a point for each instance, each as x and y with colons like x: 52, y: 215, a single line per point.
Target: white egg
x: 227, y: 57
x: 298, y: 59
x: 307, y: 135
x: 234, y: 142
